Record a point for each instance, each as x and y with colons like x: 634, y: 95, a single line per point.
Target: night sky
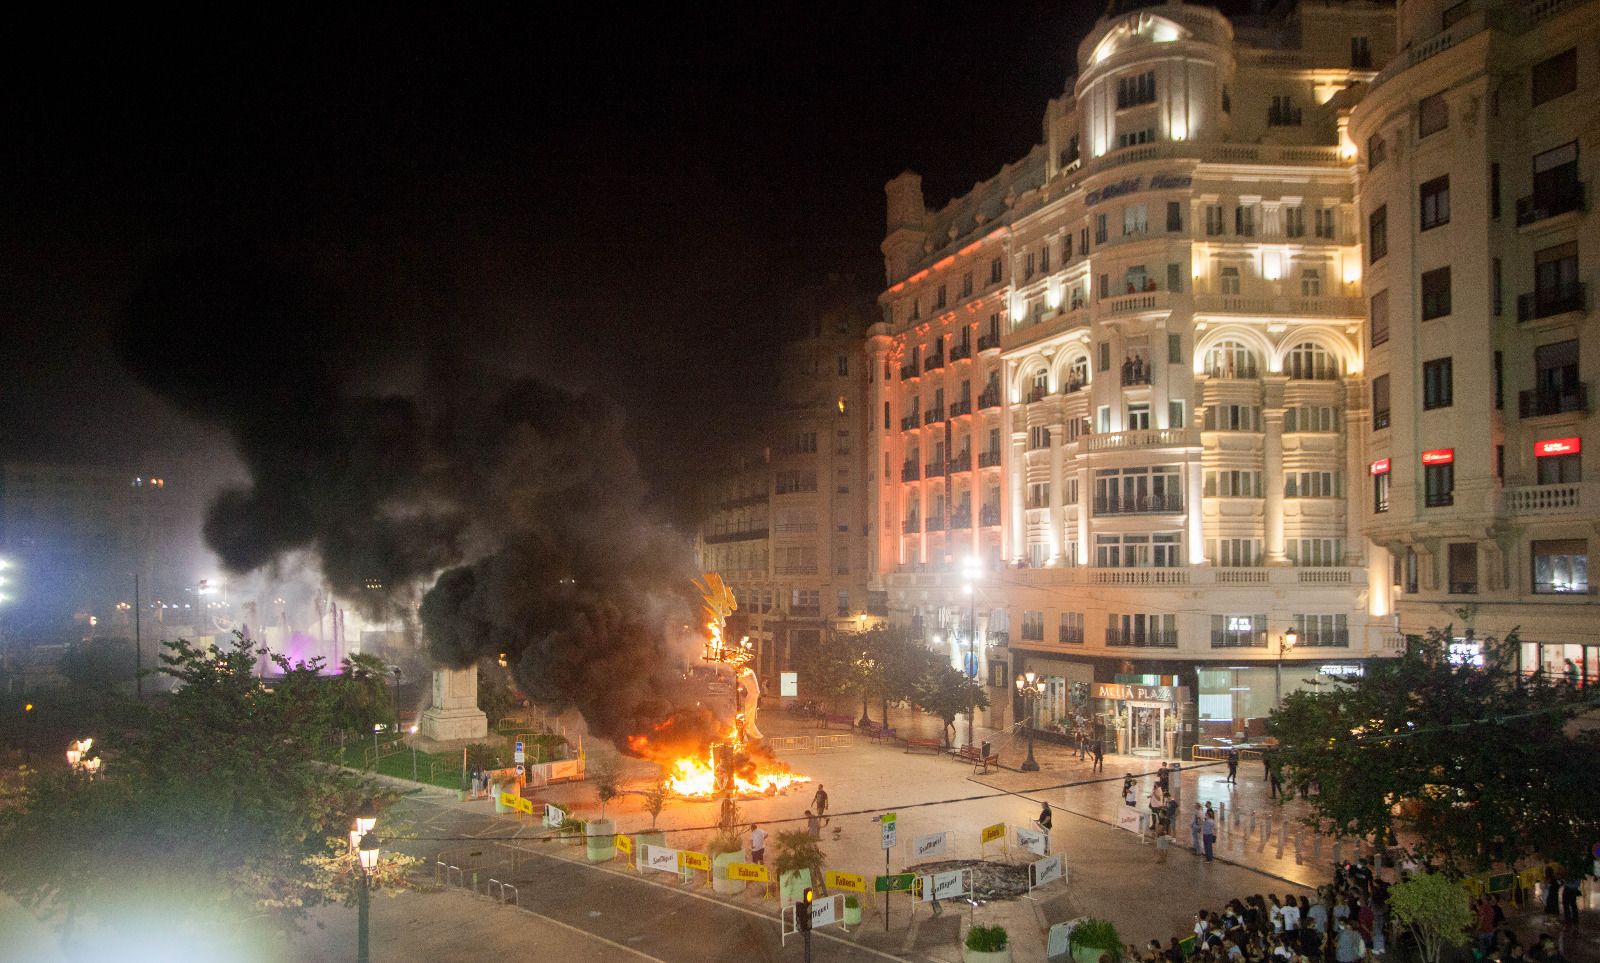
x: 613, y: 198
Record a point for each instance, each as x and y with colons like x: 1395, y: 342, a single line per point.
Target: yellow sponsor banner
x: 625, y: 844
x: 509, y: 800
x: 992, y: 833
x: 688, y: 860
x: 525, y: 805
x: 846, y: 881
x: 749, y: 872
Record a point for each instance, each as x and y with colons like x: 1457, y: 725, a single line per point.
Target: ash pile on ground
x: 990, y: 880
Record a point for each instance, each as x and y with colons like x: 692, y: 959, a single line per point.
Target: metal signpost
x: 886, y: 824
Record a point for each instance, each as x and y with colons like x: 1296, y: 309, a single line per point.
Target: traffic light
x: 802, y: 910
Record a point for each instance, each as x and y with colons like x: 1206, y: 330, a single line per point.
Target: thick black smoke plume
x: 396, y: 461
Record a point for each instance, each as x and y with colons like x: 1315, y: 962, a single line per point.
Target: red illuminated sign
x: 1438, y: 456
x: 1557, y: 446
x: 1379, y: 467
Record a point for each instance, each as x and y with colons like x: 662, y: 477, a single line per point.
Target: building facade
x: 787, y: 522
x: 1478, y: 247
x: 1119, y: 391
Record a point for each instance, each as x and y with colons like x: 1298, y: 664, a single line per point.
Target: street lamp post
x: 1287, y: 641
x: 972, y: 569
x: 364, y: 843
x: 1030, y: 687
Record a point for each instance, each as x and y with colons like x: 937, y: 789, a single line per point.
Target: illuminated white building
x: 1478, y: 247
x: 1127, y: 373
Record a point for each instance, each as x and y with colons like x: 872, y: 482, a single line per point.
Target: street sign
x: 886, y: 823
x: 897, y: 883
x: 851, y: 882
x: 788, y: 684
x: 518, y: 757
x: 992, y: 833
x: 520, y: 771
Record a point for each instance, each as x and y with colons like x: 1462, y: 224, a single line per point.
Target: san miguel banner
x: 660, y: 858
x: 926, y: 847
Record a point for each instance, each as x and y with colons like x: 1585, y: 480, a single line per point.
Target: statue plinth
x: 454, y: 715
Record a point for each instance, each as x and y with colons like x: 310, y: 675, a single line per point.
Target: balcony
x: 989, y: 516
x: 988, y: 459
x: 960, y: 352
x: 934, y: 416
x: 1149, y: 300
x: 1541, y: 206
x: 908, y: 471
x: 910, y: 421
x: 961, y: 518
x: 1551, y: 301
x: 806, y: 611
x: 1135, y: 375
x: 908, y: 371
x: 1273, y: 306
x: 961, y: 462
x: 1146, y: 438
x: 1140, y: 505
x: 741, y: 536
x: 959, y: 408
x: 989, y: 342
x: 989, y: 398
x: 933, y: 362
x: 1142, y: 640
x: 935, y: 523
x: 1073, y: 387
x: 911, y: 526
x: 934, y: 469
x: 1538, y: 403
x: 1038, y: 393
x: 1138, y: 576
x: 1541, y: 500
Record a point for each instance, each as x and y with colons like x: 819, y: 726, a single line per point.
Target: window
x: 1437, y: 390
x: 1227, y: 417
x: 1555, y: 379
x: 1104, y: 358
x: 1377, y: 151
x: 1554, y: 77
x: 1556, y: 288
x: 1454, y: 14
x: 1244, y: 220
x: 1499, y: 381
x: 939, y: 298
x: 1033, y: 626
x: 1494, y: 190
x: 1496, y: 290
x: 1435, y: 293
x: 1311, y: 418
x: 1122, y: 491
x: 885, y: 416
x: 995, y: 271
x: 1378, y: 234
x: 1213, y: 220
x: 1294, y: 222
x: 1227, y: 102
x: 1132, y: 137
x: 1044, y: 259
x: 1071, y: 631
x: 1462, y: 562
x: 1560, y: 469
x: 1174, y: 349
x: 1311, y: 484
x: 1039, y: 495
x: 1175, y: 415
x: 1315, y: 552
x: 1174, y: 216
x: 1435, y: 202
x: 1326, y: 223
x: 1136, y: 90
x: 1230, y: 280
x: 1560, y: 565
x: 1157, y: 550
x: 843, y: 598
x: 787, y: 482
x: 1066, y: 248
x: 1236, y: 552
x: 1038, y: 438
x: 1138, y: 417
x: 844, y: 365
x: 1238, y: 631
x: 1360, y: 52
x: 1230, y: 359
x: 1142, y: 630
x: 1556, y: 189
x: 1432, y: 115
x: 1380, y: 317
x: 1175, y: 278
x: 1233, y: 484
x: 1310, y: 283
x: 966, y: 285
x: 1438, y: 485
x: 1135, y: 220
x: 1027, y: 269
x: 1322, y: 631
x: 1380, y: 492
x: 1311, y: 362
x: 1283, y: 112
x: 1100, y: 230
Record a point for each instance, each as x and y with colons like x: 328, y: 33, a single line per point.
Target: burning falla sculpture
x: 733, y: 762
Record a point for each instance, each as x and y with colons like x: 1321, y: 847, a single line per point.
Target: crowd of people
x: 1345, y: 922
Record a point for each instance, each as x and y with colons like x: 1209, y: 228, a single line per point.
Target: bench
x: 917, y: 742
x: 878, y: 731
x: 975, y: 756
x: 829, y: 719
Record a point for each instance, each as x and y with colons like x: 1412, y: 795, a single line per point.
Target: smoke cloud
x: 515, y: 505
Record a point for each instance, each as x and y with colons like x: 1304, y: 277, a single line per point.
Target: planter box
x: 650, y: 837
x: 1091, y: 954
x: 792, y: 886
x: 602, y: 843
x: 987, y: 956
x: 852, y: 915
x: 720, y: 883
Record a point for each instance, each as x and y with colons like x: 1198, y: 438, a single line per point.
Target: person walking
x: 1569, y: 899
x: 758, y: 844
x: 1046, y: 818
x: 1552, y: 892
x: 1129, y: 795
x: 1099, y: 758
x: 1233, y: 765
x: 1348, y: 947
x: 819, y: 803
x: 1208, y: 831
x: 1196, y: 824
x: 813, y: 825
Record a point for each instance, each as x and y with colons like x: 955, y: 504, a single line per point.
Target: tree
x: 605, y: 770
x: 215, y: 802
x: 1477, y: 760
x: 1434, y: 907
x: 655, y: 799
x: 947, y: 692
x: 496, y: 697
x: 826, y: 670
x: 361, y: 698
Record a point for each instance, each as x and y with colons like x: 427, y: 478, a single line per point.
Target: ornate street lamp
x: 1287, y: 641
x: 365, y: 843
x: 1030, y: 687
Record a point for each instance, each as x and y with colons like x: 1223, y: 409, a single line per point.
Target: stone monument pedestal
x: 454, y: 715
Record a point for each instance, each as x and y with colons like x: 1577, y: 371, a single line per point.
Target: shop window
x: 1463, y: 565
x: 1560, y: 566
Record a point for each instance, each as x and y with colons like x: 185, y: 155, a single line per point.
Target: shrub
x: 725, y: 842
x: 1098, y: 934
x: 797, y: 851
x: 986, y: 939
x: 572, y: 827
x: 850, y: 901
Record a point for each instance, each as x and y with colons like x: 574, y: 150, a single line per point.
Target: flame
x: 694, y: 775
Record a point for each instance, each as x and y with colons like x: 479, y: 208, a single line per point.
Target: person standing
x: 1233, y: 765
x: 813, y: 825
x: 1208, y: 830
x: 1569, y: 899
x: 1099, y: 758
x: 1552, y: 892
x: 819, y: 803
x: 1046, y: 818
x: 1348, y: 946
x: 758, y: 844
x: 1196, y: 824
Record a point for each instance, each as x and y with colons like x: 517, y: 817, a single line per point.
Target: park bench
x: 831, y: 719
x: 877, y: 731
x: 918, y: 742
x: 979, y: 761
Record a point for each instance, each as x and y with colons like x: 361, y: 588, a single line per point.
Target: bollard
x: 1283, y: 834
x: 1252, y: 830
x: 1338, y: 852
x: 1222, y: 813
x: 1316, y: 847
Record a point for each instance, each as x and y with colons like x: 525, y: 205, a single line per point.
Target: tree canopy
x: 885, y: 664
x: 1476, y: 762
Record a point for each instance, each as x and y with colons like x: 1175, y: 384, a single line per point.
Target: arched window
x: 1078, y: 377
x: 1231, y: 359
x: 1310, y: 362
x: 1041, y: 383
